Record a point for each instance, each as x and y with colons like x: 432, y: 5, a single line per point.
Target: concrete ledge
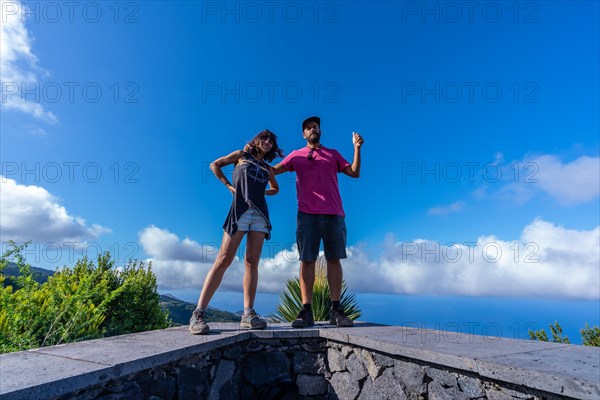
x: 564, y: 370
x: 52, y: 371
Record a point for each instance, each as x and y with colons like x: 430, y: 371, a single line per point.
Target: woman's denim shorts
x: 252, y: 220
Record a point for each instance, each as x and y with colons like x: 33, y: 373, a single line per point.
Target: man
x: 320, y: 215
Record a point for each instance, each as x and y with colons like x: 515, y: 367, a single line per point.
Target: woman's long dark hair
x: 275, y: 150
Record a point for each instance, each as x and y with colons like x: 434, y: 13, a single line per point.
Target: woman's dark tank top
x: 250, y: 179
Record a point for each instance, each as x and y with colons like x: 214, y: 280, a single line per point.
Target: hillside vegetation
x: 90, y: 300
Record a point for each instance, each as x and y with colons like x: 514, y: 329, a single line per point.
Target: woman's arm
x: 219, y: 163
x: 273, y: 185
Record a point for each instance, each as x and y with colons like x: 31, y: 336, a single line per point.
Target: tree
x: 290, y: 301
x: 90, y: 300
x: 590, y: 336
x: 17, y: 303
x: 136, y: 306
x: 542, y: 336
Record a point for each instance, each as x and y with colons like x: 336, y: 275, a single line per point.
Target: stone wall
x: 368, y: 361
x: 320, y: 369
x: 356, y: 373
x: 238, y: 371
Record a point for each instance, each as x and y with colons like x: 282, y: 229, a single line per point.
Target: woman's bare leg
x: 229, y: 246
x: 254, y: 244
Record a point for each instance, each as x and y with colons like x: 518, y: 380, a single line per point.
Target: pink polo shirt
x: 316, y: 180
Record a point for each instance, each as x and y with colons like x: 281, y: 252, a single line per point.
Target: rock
x: 163, y: 386
x: 198, y: 363
x: 346, y: 350
x: 135, y: 393
x: 314, y: 346
x: 471, y: 386
x: 254, y: 345
x: 309, y: 363
x: 311, y: 385
x: 94, y: 393
x: 385, y: 387
x: 262, y: 368
x: 444, y: 378
x: 343, y: 387
x: 335, y: 360
x: 356, y: 368
x: 412, y: 376
x: 191, y: 382
x: 495, y: 392
x: 247, y: 392
x: 223, y: 385
x: 233, y: 353
x: 215, y: 355
x: 124, y: 385
x: 438, y: 392
x: 369, y: 362
x: 383, y: 360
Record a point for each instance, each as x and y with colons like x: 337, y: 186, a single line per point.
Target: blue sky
x: 480, y: 164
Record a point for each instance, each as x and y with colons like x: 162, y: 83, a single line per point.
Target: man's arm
x: 353, y: 170
x: 274, y: 186
x: 279, y: 169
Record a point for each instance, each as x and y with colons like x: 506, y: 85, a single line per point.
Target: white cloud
x: 574, y: 182
x: 37, y: 131
x: 164, y: 245
x: 521, y: 181
x: 547, y: 261
x: 32, y: 213
x: 568, y: 183
x: 444, y: 210
x: 18, y: 64
x: 183, y: 263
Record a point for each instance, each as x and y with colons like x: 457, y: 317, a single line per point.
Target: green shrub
x: 90, y: 300
x: 590, y: 336
x: 542, y: 336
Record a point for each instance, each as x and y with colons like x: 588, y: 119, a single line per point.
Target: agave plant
x: 290, y: 299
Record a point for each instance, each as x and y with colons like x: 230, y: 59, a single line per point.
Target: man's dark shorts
x: 311, y: 228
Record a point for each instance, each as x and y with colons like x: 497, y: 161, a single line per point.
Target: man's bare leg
x: 307, y: 280
x: 334, y: 278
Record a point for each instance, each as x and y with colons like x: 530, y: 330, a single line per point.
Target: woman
x: 248, y: 214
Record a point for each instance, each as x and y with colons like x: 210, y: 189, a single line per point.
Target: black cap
x: 311, y: 119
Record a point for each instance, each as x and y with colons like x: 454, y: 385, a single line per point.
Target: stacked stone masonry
x: 320, y: 363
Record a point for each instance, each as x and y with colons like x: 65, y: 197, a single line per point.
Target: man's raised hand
x: 357, y: 140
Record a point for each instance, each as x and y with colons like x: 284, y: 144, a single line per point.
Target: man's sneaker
x: 339, y: 318
x: 305, y: 318
x: 252, y: 321
x: 198, y: 325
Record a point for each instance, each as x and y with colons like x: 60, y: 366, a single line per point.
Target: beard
x: 314, y: 139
